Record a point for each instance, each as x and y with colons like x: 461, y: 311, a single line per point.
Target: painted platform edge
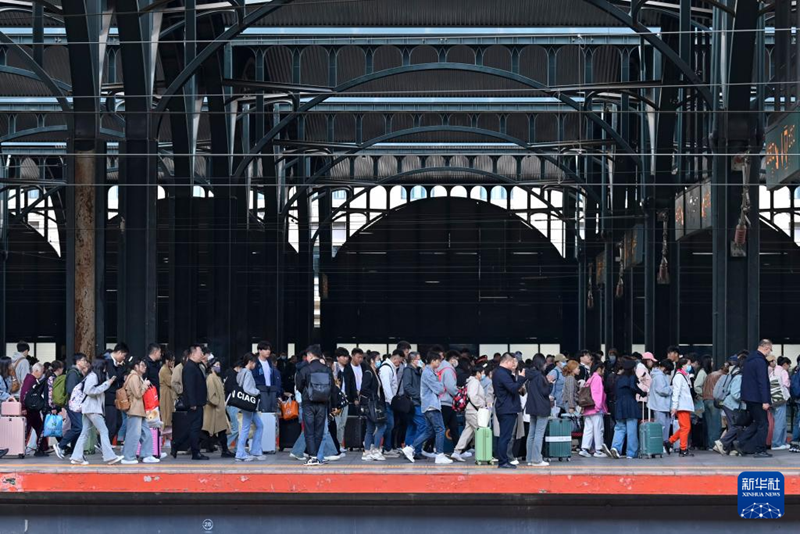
x: 483, y: 483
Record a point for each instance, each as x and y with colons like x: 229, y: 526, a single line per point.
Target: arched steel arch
x: 458, y: 67
x: 399, y: 176
x: 422, y: 129
x: 657, y: 43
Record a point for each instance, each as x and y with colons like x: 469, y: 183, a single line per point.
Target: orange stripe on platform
x: 360, y: 483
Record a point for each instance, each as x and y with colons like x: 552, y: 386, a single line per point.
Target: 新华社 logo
x: 761, y: 495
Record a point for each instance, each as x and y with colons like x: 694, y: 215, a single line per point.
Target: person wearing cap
x: 779, y: 381
x: 659, y: 398
x: 711, y: 413
x: 626, y: 414
x: 731, y: 403
x: 556, y: 377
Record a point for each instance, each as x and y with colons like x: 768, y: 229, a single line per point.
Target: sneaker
x: 367, y: 456
x: 718, y: 447
x: 668, y: 446
x: 377, y: 456
x: 514, y: 462
x: 457, y: 457
x: 129, y: 462
x: 333, y: 458
x: 408, y: 452
x: 390, y: 454
x: 427, y: 454
x: 762, y: 454
x: 784, y: 447
x: 245, y: 459
x: 733, y: 452
x: 794, y: 448
x: 685, y: 454
x: 599, y: 454
x: 584, y: 453
x: 115, y: 460
x: 606, y: 450
x: 58, y: 451
x: 441, y: 459
x: 538, y: 464
x: 302, y: 458
x: 82, y: 461
x: 466, y: 454
x: 162, y: 455
x: 614, y: 453
x: 312, y: 462
x: 150, y: 460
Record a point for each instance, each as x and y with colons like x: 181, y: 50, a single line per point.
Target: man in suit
x: 757, y: 398
x: 195, y: 396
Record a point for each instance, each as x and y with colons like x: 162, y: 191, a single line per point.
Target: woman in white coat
x: 476, y: 400
x: 682, y: 407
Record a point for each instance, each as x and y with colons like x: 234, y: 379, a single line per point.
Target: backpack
x: 318, y: 388
x: 722, y: 388
x: 60, y: 391
x: 76, y: 398
x: 460, y: 400
x: 34, y: 399
x: 794, y: 385
x: 121, y: 400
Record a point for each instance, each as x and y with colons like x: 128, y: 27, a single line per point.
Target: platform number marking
x: 208, y: 525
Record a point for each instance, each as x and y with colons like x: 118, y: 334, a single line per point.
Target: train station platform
x: 707, y: 474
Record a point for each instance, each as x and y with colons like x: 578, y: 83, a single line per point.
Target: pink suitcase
x: 11, y: 407
x: 156, y: 443
x: 12, y: 435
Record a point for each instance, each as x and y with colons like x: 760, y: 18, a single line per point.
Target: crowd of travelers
x: 446, y: 406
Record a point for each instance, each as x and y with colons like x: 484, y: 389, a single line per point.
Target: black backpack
x: 34, y: 399
x: 318, y: 388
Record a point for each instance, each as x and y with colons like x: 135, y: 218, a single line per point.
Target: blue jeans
x: 713, y: 422
x: 75, y: 427
x: 249, y: 418
x: 387, y: 432
x: 434, y: 428
x: 327, y: 449
x: 135, y: 433
x: 626, y: 428
x: 779, y: 432
x: 535, y: 439
x: 233, y: 413
x: 374, y: 434
x: 123, y: 427
x: 416, y: 426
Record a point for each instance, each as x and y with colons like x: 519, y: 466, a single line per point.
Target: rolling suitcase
x: 558, y: 440
x: 156, y: 437
x: 180, y: 429
x: 269, y: 439
x: 355, y: 430
x: 288, y: 433
x: 483, y: 446
x: 651, y: 437
x: 12, y: 435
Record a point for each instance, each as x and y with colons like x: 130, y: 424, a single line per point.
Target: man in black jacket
x: 153, y: 362
x: 115, y: 367
x: 311, y: 381
x: 194, y: 398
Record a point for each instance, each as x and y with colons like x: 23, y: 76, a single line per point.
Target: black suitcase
x: 288, y: 433
x: 355, y: 430
x: 180, y: 429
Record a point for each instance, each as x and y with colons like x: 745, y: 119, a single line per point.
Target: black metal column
x: 305, y: 279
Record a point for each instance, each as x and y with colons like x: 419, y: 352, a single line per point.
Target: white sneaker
x: 441, y: 459
x: 390, y: 454
x: 599, y: 454
x: 783, y: 447
x: 333, y: 458
x: 367, y: 456
x: 302, y: 458
x: 584, y: 453
x: 615, y: 453
x: 427, y: 454
x: 115, y: 460
x: 466, y: 454
x: 514, y: 462
x: 718, y: 447
x: 129, y: 462
x: 150, y: 460
x: 377, y: 456
x: 79, y: 462
x: 245, y: 459
x: 162, y: 455
x: 540, y: 464
x: 58, y: 451
x: 408, y: 452
x: 458, y: 457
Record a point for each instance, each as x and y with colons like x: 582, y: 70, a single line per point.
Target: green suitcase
x: 558, y: 440
x: 651, y: 438
x: 483, y: 446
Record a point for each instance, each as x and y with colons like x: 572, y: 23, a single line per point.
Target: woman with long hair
x: 6, y: 379
x: 593, y: 427
x: 682, y: 407
x: 166, y: 395
x: 372, y: 392
x: 92, y: 414
x: 537, y: 405
x: 627, y: 413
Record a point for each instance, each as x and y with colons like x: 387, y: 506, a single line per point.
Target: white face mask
x: 420, y: 364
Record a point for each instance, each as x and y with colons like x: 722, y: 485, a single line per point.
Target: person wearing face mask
x: 215, y: 421
x: 412, y: 375
x: 681, y: 407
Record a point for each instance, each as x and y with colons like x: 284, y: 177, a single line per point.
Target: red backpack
x: 460, y: 400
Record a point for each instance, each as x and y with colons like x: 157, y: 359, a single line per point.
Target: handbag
x: 742, y: 418
x: 53, y: 426
x: 290, y: 409
x: 180, y: 405
x: 401, y: 402
x: 374, y: 410
x: 150, y: 398
x: 585, y: 399
x: 239, y: 398
x: 484, y: 417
